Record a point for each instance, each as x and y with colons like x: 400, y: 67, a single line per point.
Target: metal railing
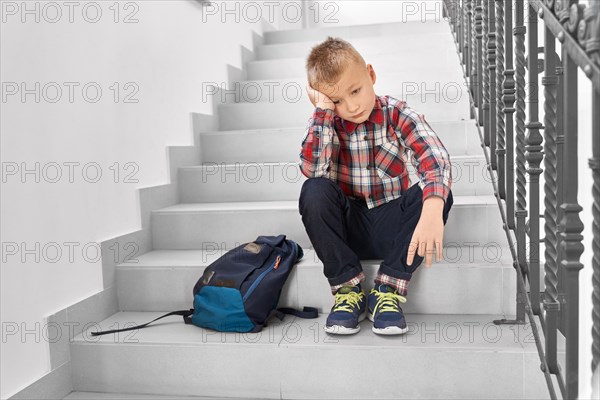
x: 503, y: 85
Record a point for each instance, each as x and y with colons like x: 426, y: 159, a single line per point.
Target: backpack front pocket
x: 221, y: 309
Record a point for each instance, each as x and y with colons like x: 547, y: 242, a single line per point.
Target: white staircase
x: 249, y: 185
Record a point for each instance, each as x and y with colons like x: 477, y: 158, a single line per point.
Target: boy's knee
x: 318, y: 191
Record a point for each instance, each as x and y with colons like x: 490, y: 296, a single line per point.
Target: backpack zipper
x: 261, y: 277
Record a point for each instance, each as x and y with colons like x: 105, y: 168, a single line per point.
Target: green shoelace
x: 346, y: 301
x: 387, y: 301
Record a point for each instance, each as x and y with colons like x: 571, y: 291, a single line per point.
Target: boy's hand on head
x: 428, y: 236
x: 319, y: 99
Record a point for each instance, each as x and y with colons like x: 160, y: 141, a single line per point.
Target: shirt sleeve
x: 429, y: 156
x: 315, y: 155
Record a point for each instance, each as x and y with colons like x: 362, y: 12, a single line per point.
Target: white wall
x: 323, y: 13
x: 166, y: 56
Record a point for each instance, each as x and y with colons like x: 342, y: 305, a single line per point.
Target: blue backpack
x: 239, y: 291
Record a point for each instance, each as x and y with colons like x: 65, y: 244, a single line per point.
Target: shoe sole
x: 344, y: 330
x: 390, y: 330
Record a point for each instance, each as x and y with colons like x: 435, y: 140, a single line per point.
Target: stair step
x: 259, y: 181
x: 283, y: 144
x: 222, y: 225
x: 441, y: 44
x: 399, y: 29
x: 436, y: 59
x: 128, y: 396
x: 283, y: 114
x: 446, y: 92
x: 295, y: 357
x: 163, y: 280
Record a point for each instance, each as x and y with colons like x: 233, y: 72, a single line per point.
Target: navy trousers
x: 344, y: 230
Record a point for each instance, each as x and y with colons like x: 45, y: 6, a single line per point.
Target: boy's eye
x: 336, y: 102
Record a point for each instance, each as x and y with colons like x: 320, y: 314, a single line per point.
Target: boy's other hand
x: 319, y: 99
x: 427, y: 239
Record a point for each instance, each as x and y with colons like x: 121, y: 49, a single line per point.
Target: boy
x: 357, y: 203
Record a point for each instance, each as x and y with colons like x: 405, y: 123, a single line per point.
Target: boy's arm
x: 429, y: 156
x: 315, y: 155
x: 432, y: 161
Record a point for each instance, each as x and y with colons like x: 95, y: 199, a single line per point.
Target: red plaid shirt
x: 369, y: 160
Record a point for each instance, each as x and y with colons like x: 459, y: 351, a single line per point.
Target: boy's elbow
x: 309, y: 172
x: 305, y: 172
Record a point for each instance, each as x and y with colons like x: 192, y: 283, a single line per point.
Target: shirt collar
x: 376, y: 117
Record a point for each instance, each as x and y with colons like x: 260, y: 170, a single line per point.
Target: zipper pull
x: 277, y: 262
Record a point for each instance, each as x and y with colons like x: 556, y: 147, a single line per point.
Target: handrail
x: 492, y: 51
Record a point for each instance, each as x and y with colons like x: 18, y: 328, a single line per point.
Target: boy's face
x: 353, y: 94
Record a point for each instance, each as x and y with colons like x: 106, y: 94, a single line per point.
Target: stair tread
x: 382, y: 88
x: 302, y: 128
x: 128, y: 396
x: 201, y: 258
x: 305, y: 107
x: 286, y: 163
x: 388, y: 36
x: 286, y: 205
x: 390, y: 53
x: 400, y: 28
x: 428, y: 332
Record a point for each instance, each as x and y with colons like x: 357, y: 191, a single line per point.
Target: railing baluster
x: 571, y: 227
x: 560, y: 187
x: 562, y: 14
x: 478, y: 78
x: 464, y: 34
x: 508, y: 101
x: 458, y: 22
x: 594, y: 164
x: 472, y: 49
x: 500, y: 123
x: 467, y: 36
x: 551, y: 304
x: 509, y: 89
x: 469, y: 50
x: 521, y: 212
x: 486, y: 73
x: 505, y: 110
x: 534, y: 158
x: 492, y: 77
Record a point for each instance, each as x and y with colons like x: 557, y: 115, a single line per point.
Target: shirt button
x: 369, y: 166
x: 321, y: 114
x: 366, y: 137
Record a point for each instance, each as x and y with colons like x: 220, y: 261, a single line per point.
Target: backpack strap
x: 184, y: 313
x: 280, y: 313
x: 306, y: 313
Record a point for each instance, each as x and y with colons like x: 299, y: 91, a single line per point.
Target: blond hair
x: 329, y: 59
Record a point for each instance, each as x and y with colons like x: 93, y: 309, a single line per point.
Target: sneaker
x: 385, y: 311
x: 349, y: 309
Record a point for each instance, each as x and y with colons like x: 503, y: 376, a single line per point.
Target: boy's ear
x: 372, y: 73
